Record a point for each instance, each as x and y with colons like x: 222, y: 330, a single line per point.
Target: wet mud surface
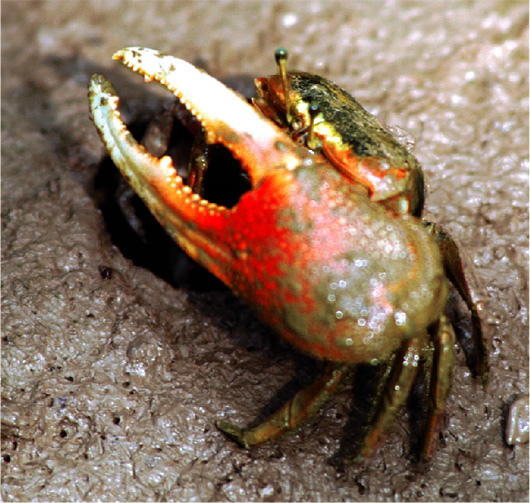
x: 115, y: 366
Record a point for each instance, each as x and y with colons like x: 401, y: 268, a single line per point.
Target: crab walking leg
x: 381, y: 383
x: 441, y: 378
x: 192, y: 221
x: 305, y: 404
x: 229, y: 120
x: 394, y: 396
x: 467, y: 289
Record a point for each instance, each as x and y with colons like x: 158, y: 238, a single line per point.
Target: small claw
x: 233, y: 432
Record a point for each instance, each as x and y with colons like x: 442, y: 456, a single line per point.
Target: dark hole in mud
x: 224, y: 182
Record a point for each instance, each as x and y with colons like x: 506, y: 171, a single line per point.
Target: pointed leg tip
x: 354, y: 460
x: 233, y: 432
x: 424, y: 456
x: 484, y: 374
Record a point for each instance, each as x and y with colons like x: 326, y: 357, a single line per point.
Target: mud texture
x: 112, y: 377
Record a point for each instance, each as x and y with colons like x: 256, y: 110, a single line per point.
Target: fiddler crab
x: 327, y: 247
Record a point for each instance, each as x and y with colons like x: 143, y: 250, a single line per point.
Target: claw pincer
x: 309, y: 248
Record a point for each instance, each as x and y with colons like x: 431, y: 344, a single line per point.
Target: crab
x: 327, y: 247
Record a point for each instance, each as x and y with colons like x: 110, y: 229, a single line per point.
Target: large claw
x: 194, y: 223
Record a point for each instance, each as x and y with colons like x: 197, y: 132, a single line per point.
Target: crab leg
x: 454, y: 269
x: 440, y: 385
x: 305, y: 404
x: 394, y: 396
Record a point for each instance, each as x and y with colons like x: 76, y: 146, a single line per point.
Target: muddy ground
x: 115, y: 367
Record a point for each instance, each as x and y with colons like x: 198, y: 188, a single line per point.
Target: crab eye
x: 314, y: 110
x: 281, y: 56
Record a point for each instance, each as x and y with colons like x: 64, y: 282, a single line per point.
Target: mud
x: 113, y: 377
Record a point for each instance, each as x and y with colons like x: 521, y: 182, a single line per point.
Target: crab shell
x: 349, y: 137
x: 335, y: 274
